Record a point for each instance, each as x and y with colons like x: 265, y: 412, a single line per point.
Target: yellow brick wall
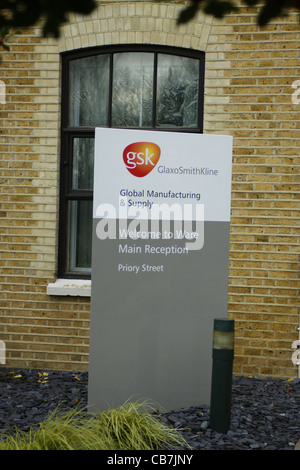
x: 264, y: 258
x: 248, y: 94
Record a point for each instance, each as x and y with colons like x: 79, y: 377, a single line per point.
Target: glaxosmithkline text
x: 193, y: 170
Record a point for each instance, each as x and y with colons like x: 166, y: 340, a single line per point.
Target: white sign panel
x: 149, y: 168
x: 159, y: 265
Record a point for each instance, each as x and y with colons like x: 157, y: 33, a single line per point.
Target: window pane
x: 79, y: 236
x: 89, y: 91
x: 83, y: 163
x: 132, y: 89
x: 177, y: 91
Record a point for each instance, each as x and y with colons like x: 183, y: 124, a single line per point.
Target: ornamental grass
x: 132, y: 426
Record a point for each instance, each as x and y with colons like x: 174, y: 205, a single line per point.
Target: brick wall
x: 264, y: 258
x: 248, y: 94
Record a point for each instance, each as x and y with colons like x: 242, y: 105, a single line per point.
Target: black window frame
x: 68, y: 133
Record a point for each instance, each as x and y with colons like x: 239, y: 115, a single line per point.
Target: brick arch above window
x: 135, y: 23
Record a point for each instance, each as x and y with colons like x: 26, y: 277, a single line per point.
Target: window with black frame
x: 134, y: 87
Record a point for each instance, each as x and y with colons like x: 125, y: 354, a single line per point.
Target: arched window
x: 149, y: 87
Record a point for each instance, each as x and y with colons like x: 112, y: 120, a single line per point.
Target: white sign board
x: 160, y: 264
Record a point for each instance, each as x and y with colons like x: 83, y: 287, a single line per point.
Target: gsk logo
x: 140, y: 158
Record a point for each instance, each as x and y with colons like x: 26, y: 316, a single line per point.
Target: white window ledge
x: 73, y: 287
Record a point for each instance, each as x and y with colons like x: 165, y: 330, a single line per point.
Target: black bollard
x: 221, y: 385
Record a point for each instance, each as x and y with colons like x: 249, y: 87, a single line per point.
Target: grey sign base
x: 151, y: 332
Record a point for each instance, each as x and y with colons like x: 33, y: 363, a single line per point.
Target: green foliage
x: 132, y: 426
x: 20, y: 13
x: 216, y: 8
x: 268, y: 9
x: 54, y: 13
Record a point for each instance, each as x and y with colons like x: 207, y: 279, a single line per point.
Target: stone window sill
x: 71, y: 287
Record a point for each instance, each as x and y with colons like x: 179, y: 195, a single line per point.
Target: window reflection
x: 89, y: 91
x: 79, y: 236
x: 132, y: 89
x: 83, y: 163
x: 177, y: 91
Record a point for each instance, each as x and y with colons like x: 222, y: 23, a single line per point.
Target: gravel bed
x: 265, y: 413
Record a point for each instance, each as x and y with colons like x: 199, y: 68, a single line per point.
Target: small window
x: 122, y: 87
